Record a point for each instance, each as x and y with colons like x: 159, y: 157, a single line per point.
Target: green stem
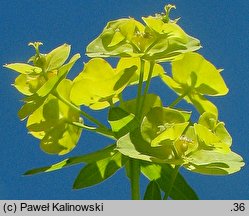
x: 89, y: 117
x: 134, y: 164
x: 152, y: 63
x: 177, y: 100
x: 101, y: 131
x: 80, y: 125
x: 135, y: 177
x: 172, y: 182
x: 140, y: 87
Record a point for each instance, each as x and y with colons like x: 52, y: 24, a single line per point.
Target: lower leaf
x: 161, y: 173
x: 153, y: 191
x: 97, y: 172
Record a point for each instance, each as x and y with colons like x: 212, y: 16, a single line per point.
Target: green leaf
x: 153, y: 191
x: 97, y: 172
x: 214, y: 162
x: 161, y: 173
x: 24, y: 68
x: 134, y: 146
x: 99, y: 84
x: 57, y: 57
x: 121, y: 121
x: 88, y: 158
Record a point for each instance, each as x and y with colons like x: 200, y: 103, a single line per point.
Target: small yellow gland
x: 142, y: 40
x: 182, y: 144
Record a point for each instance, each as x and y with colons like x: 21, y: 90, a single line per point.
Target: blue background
x: 221, y: 26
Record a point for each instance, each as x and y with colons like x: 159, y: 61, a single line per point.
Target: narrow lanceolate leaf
x: 97, y: 172
x: 88, y: 158
x: 161, y: 173
x: 153, y: 191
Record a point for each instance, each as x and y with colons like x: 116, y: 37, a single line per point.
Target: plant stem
x: 134, y: 164
x: 101, y: 131
x: 89, y: 117
x: 135, y: 178
x: 172, y: 182
x: 140, y: 87
x: 177, y: 100
x: 152, y: 63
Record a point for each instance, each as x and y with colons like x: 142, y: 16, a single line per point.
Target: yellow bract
x: 193, y: 76
x: 157, y: 41
x: 99, y: 85
x: 52, y: 123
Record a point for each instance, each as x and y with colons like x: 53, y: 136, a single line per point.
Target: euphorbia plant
x: 147, y: 136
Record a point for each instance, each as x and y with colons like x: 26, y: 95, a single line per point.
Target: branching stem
x: 89, y: 117
x: 177, y: 100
